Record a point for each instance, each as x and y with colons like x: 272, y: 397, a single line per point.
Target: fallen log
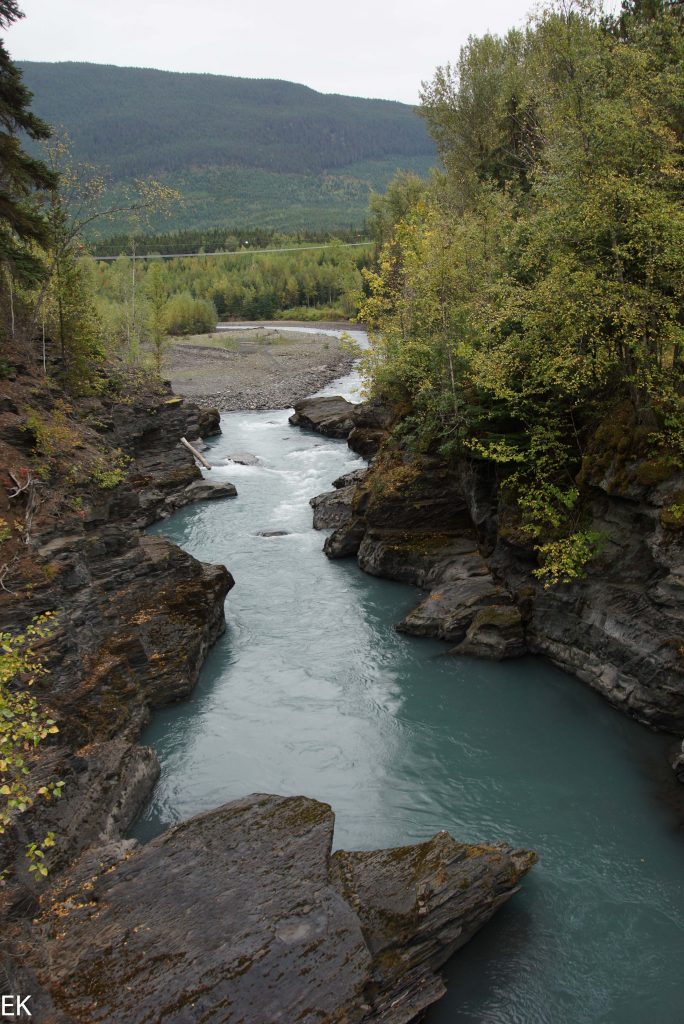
x: 198, y: 456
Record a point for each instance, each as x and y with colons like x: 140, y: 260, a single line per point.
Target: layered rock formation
x: 136, y: 615
x: 243, y: 914
x: 442, y: 527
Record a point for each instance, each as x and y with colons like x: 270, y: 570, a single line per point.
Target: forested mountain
x: 262, y: 152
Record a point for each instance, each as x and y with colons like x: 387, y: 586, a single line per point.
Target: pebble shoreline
x: 257, y: 376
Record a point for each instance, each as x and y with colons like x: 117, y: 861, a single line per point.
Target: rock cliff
x: 135, y: 614
x: 442, y: 526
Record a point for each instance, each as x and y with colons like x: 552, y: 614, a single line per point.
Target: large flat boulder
x: 242, y: 915
x: 328, y: 415
x: 421, y: 557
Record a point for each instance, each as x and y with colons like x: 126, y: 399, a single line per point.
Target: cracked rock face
x: 242, y: 915
x: 136, y: 617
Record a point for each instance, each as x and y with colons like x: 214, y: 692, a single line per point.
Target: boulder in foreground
x: 242, y: 915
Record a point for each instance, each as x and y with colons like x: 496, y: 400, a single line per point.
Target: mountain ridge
x: 201, y: 132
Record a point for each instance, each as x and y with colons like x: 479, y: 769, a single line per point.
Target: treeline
x: 195, y: 240
x: 528, y: 304
x: 135, y: 298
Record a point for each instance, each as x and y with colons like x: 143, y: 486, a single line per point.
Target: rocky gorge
x: 122, y: 933
x: 444, y: 528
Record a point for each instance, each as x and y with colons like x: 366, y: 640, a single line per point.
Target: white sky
x: 355, y: 47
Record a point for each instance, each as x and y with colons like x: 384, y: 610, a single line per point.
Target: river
x: 311, y: 690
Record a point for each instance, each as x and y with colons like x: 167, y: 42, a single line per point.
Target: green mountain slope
x: 264, y: 152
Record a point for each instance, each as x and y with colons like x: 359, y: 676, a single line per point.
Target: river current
x: 310, y: 690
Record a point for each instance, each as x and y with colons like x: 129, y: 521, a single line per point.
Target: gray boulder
x: 345, y: 541
x: 355, y: 476
x: 201, y: 490
x: 243, y: 915
x: 329, y: 415
x: 332, y: 509
x: 244, y: 459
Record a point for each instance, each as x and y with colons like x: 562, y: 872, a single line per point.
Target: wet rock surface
x: 243, y: 915
x: 354, y: 477
x: 333, y: 509
x: 363, y: 424
x: 495, y: 632
x: 243, y: 458
x: 331, y: 416
x: 203, y: 490
x: 136, y: 615
x: 346, y: 540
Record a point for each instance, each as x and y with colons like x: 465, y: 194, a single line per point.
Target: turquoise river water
x: 311, y: 690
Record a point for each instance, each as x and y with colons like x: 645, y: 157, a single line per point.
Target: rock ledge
x: 243, y: 915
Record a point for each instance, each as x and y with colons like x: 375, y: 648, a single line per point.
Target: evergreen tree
x: 21, y: 221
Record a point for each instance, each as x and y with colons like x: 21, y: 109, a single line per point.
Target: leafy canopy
x: 536, y: 285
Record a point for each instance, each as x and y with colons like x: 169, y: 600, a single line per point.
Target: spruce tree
x: 21, y: 221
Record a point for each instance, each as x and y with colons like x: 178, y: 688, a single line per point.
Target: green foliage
x: 333, y: 203
x: 537, y: 283
x: 69, y: 312
x: 185, y: 315
x: 140, y: 302
x: 23, y: 726
x: 565, y: 560
x: 54, y: 436
x: 110, y: 470
x: 157, y: 296
x: 213, y: 239
x: 164, y: 120
x: 21, y: 221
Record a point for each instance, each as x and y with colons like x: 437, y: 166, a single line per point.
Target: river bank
x: 257, y: 365
x: 311, y: 689
x: 135, y: 617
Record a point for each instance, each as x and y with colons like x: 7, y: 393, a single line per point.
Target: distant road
x: 238, y: 252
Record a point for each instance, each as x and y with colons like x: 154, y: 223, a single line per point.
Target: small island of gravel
x: 257, y: 366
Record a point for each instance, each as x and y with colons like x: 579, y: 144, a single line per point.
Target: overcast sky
x: 381, y: 48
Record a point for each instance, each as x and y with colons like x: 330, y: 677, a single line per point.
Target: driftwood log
x: 198, y: 456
